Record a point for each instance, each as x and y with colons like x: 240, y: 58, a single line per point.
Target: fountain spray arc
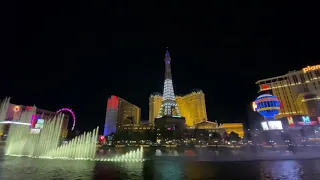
x: 46, y: 144
x: 82, y: 147
x: 3, y: 112
x: 132, y: 156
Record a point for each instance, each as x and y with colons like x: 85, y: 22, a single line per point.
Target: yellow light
x: 310, y: 68
x: 254, y: 106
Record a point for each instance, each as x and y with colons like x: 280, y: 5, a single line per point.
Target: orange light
x: 310, y: 68
x: 16, y: 108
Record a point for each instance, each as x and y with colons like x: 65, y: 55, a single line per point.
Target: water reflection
x: 29, y: 168
x: 167, y: 166
x: 158, y: 152
x: 290, y: 170
x: 128, y: 171
x: 172, y: 170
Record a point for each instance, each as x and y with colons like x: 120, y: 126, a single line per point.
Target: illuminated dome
x: 267, y: 105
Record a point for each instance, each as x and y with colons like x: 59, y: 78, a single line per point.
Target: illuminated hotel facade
x: 155, y: 101
x: 192, y: 106
x: 120, y: 113
x: 298, y: 91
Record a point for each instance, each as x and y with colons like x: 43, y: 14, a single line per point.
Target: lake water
x: 163, y: 164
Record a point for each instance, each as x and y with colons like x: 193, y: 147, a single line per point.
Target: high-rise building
x: 120, y: 112
x: 155, y: 101
x: 192, y: 106
x: 309, y: 103
x: 294, y: 89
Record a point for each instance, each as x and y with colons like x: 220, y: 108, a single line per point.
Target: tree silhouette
x: 234, y: 137
x: 215, y: 137
x: 226, y: 136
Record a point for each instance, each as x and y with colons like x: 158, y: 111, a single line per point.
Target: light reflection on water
x: 171, y: 168
x: 282, y: 170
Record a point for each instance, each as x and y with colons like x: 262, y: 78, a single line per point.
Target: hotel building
x: 155, y: 101
x: 233, y: 127
x: 298, y: 91
x: 120, y: 113
x: 11, y: 113
x: 192, y: 106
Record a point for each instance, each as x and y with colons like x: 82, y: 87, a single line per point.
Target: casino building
x: 11, y: 113
x: 121, y: 114
x: 192, y: 106
x: 298, y: 91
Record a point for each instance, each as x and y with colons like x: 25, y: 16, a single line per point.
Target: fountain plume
x: 132, y: 156
x: 46, y: 144
x: 3, y: 112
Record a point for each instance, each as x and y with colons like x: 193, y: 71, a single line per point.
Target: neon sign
x: 310, y: 68
x: 290, y: 121
x: 306, y: 121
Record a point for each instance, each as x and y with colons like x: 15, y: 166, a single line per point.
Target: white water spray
x: 3, y: 112
x: 132, y: 156
x: 46, y: 144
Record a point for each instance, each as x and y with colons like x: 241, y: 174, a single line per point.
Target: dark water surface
x: 163, y: 167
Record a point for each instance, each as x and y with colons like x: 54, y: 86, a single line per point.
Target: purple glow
x: 167, y: 61
x: 73, y: 116
x: 32, y: 119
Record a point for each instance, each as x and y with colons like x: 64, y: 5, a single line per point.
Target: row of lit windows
x: 302, y: 78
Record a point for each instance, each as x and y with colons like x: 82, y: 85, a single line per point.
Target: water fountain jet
x: 46, y: 144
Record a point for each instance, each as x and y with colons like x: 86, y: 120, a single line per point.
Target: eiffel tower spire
x: 169, y: 105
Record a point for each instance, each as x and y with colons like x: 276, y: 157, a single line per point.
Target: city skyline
x: 262, y: 89
x: 220, y: 120
x: 78, y: 62
x: 159, y: 90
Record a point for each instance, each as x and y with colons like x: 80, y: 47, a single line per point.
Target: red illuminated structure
x: 111, y: 115
x: 264, y: 87
x: 102, y: 139
x: 120, y: 112
x: 113, y: 103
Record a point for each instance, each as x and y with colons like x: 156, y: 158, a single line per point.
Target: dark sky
x: 76, y: 54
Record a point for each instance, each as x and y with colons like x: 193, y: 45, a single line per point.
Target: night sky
x: 77, y: 54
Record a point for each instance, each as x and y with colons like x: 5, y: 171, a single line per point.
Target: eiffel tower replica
x: 169, y: 116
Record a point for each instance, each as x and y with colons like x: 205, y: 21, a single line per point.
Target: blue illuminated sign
x: 306, y: 119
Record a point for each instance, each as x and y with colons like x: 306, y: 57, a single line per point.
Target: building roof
x: 206, y: 125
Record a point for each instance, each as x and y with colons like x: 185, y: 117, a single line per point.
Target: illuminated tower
x: 169, y: 105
